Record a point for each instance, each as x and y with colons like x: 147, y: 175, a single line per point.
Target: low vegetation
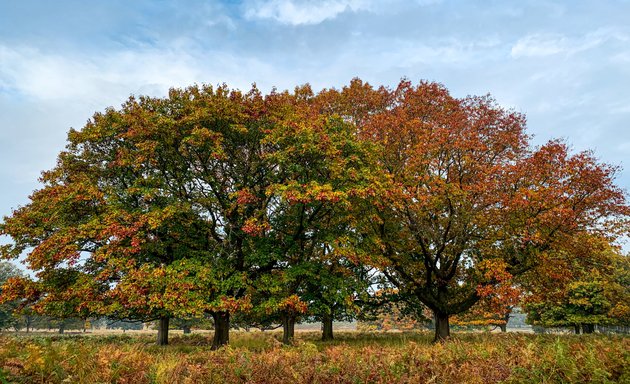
x: 352, y: 357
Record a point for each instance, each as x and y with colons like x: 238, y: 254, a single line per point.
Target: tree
x: 152, y: 210
x: 8, y: 310
x: 587, y: 286
x: 162, y: 209
x: 496, y: 303
x: 462, y: 192
x: 102, y: 234
x: 336, y: 289
x: 322, y: 169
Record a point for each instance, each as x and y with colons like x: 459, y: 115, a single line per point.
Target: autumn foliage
x: 214, y: 202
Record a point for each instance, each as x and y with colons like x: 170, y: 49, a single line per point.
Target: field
x: 352, y: 357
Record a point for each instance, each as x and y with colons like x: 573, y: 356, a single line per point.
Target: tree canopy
x: 214, y: 202
x: 465, y: 202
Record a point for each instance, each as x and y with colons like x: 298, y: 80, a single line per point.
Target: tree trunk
x: 62, y: 328
x: 221, y: 329
x: 186, y: 329
x: 288, y: 329
x: 588, y: 328
x: 442, y: 329
x: 507, y: 320
x: 162, y: 336
x: 327, y: 328
x: 576, y: 328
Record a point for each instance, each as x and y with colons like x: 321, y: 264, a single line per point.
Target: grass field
x: 351, y: 358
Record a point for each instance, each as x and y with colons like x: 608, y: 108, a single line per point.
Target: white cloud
x: 296, y: 12
x: 45, y: 76
x: 108, y: 79
x: 539, y: 45
x: 308, y: 12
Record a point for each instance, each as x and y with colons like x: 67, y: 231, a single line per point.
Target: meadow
x: 353, y: 357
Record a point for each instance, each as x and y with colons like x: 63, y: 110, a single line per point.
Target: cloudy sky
x: 566, y: 65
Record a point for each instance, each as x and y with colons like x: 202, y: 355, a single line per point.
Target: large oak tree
x: 153, y: 210
x: 464, y: 199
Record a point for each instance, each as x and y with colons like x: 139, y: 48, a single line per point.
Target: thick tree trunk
x: 62, y: 328
x: 576, y: 328
x: 442, y: 328
x: 221, y: 329
x: 288, y: 329
x: 186, y: 329
x: 503, y: 327
x: 162, y: 336
x: 588, y: 328
x: 327, y: 327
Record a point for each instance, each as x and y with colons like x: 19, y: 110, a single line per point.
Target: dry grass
x: 351, y: 358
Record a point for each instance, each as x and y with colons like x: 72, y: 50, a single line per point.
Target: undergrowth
x: 351, y: 358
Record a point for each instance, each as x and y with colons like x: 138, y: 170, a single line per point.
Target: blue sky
x: 566, y: 65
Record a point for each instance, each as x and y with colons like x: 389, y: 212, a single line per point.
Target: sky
x: 566, y: 65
